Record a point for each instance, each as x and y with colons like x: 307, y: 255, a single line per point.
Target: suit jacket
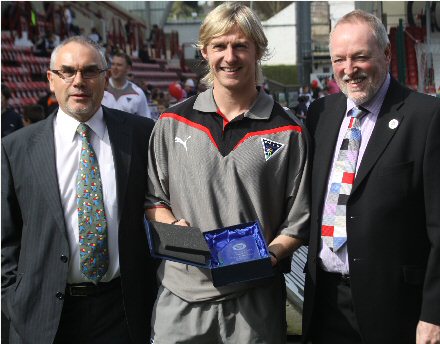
x: 34, y: 236
x: 393, y: 215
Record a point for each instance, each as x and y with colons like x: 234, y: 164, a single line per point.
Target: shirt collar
x: 68, y: 124
x: 375, y: 103
x: 260, y: 109
x: 110, y: 80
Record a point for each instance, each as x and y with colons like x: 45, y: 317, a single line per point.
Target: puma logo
x: 183, y: 143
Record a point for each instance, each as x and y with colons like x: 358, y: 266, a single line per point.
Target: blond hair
x: 222, y: 20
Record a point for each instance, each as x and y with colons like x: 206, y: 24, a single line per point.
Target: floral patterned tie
x: 333, y: 230
x: 91, y: 214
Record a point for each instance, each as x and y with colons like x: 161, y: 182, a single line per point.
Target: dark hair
x: 125, y: 56
x: 33, y: 113
x: 6, y: 91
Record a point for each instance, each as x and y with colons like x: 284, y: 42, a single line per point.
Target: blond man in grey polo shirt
x: 227, y: 156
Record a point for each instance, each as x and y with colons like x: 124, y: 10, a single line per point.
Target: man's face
x: 81, y: 97
x: 120, y: 69
x: 232, y: 58
x: 359, y: 65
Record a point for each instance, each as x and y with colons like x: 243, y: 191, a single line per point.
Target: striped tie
x: 333, y: 230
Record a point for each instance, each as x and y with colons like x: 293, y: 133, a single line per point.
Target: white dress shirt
x: 67, y: 150
x: 338, y: 261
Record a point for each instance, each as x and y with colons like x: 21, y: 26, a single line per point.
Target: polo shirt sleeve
x: 296, y: 223
x: 158, y: 177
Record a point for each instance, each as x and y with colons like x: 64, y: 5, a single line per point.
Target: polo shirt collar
x: 110, y: 80
x: 260, y: 109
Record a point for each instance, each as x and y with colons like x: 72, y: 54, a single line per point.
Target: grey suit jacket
x: 393, y: 215
x: 34, y: 234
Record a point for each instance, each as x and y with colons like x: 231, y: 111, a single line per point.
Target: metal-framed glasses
x: 68, y: 74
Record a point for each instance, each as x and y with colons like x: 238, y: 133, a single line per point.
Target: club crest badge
x: 270, y: 148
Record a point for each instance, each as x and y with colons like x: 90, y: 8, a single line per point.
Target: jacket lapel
x: 328, y: 132
x: 42, y: 157
x: 383, y: 132
x: 121, y: 142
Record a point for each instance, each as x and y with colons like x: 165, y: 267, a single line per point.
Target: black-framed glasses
x: 68, y: 74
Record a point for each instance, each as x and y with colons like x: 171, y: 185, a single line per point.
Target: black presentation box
x: 233, y: 254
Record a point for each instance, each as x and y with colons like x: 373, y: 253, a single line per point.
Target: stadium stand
x: 25, y: 73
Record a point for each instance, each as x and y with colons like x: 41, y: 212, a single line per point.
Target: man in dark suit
x: 52, y: 290
x: 372, y: 273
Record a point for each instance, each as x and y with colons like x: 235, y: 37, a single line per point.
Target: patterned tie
x: 333, y: 230
x: 91, y: 214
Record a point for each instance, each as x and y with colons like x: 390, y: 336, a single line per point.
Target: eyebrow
x: 71, y: 67
x: 237, y: 41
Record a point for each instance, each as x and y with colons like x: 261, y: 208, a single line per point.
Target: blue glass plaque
x: 238, y: 251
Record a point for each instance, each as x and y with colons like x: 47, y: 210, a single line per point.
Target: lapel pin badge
x: 393, y: 124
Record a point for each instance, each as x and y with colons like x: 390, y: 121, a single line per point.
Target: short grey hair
x: 80, y: 40
x: 358, y: 16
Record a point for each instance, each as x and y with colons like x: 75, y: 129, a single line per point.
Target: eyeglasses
x: 68, y: 74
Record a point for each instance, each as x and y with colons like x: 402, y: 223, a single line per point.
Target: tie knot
x: 83, y: 130
x: 358, y: 112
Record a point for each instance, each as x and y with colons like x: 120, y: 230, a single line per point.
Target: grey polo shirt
x: 216, y: 173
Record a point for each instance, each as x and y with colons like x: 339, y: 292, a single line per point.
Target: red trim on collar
x: 267, y: 132
x: 225, y: 120
x: 191, y: 124
x: 158, y: 206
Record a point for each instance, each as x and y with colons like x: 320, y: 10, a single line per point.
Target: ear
x: 204, y: 53
x: 50, y: 78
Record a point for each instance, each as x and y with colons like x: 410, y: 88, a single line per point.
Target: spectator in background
x: 153, y: 36
x: 144, y: 54
x: 95, y: 36
x: 32, y: 114
x: 121, y: 93
x: 68, y: 19
x: 128, y: 30
x: 11, y: 121
x: 162, y: 105
x: 305, y: 92
x: 300, y: 110
x: 46, y: 44
x: 331, y: 86
x: 48, y: 102
x: 190, y: 88
x: 316, y: 89
x: 108, y: 52
x: 176, y: 92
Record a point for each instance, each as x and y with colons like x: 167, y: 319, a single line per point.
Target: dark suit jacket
x: 393, y: 215
x: 34, y: 233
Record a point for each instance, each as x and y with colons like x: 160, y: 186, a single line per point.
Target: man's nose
x: 78, y: 79
x: 230, y: 54
x: 350, y: 67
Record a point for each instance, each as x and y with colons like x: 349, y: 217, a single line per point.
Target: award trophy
x: 238, y: 251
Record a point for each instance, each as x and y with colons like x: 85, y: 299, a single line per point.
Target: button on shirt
x: 67, y: 149
x: 338, y: 261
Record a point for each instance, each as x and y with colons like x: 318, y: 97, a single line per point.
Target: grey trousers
x: 256, y: 317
